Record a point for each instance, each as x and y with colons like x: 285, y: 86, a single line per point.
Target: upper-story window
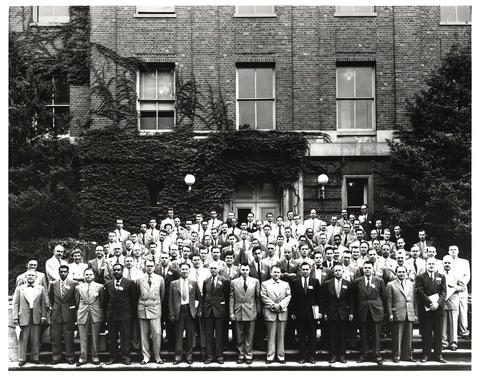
x: 255, y: 11
x: 145, y: 10
x: 59, y: 101
x: 455, y: 14
x: 256, y: 98
x: 354, y: 10
x: 51, y: 14
x: 156, y: 104
x: 355, y: 98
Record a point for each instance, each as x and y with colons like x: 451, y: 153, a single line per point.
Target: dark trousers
x: 435, y: 324
x: 260, y: 334
x: 215, y: 336
x: 124, y: 328
x: 59, y: 332
x: 290, y: 332
x: 336, y: 331
x: 185, y: 322
x: 245, y: 331
x: 307, y: 337
x: 352, y: 329
x: 370, y: 334
x: 169, y: 327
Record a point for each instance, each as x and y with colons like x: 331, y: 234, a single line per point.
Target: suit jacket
x: 426, y: 288
x: 423, y: 251
x: 63, y: 307
x: 301, y: 303
x: 99, y: 270
x: 287, y: 268
x: 215, y: 300
x: 351, y: 272
x: 338, y: 308
x: 245, y: 305
x: 369, y: 300
x: 175, y: 298
x: 461, y: 268
x: 401, y: 302
x: 21, y: 306
x: 264, y: 268
x: 121, y: 302
x: 51, y: 268
x: 275, y: 292
x: 89, y: 303
x: 171, y: 275
x: 323, y: 276
x: 40, y: 280
x: 234, y: 272
x: 150, y: 297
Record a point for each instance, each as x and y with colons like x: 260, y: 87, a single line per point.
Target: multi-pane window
x: 156, y: 93
x: 354, y: 10
x: 51, y: 14
x: 256, y: 98
x: 355, y: 98
x: 356, y: 191
x: 59, y: 101
x: 155, y: 9
x: 255, y: 11
x: 456, y: 14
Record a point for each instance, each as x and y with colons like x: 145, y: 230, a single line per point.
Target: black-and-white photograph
x: 239, y: 187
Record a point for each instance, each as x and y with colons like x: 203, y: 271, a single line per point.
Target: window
x: 156, y: 88
x: 59, y: 102
x: 355, y: 98
x: 51, y: 15
x: 256, y: 98
x: 456, y: 14
x: 356, y: 191
x: 354, y: 11
x: 255, y: 11
x: 155, y: 10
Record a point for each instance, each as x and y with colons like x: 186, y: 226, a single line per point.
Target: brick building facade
x: 340, y: 75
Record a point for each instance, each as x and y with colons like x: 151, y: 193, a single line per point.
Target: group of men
x: 269, y: 279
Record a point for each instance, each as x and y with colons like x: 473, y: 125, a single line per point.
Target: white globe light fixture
x: 189, y: 181
x: 322, y: 181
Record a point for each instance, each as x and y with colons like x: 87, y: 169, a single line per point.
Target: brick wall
x: 79, y: 108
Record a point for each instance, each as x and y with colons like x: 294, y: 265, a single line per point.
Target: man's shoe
x: 220, y: 360
x: 425, y: 359
x: 282, y: 361
x: 71, y: 362
x: 176, y: 361
x: 240, y: 361
x: 361, y: 359
x: 21, y: 363
x: 312, y: 360
x: 96, y: 362
x: 159, y: 361
x: 110, y: 362
x: 144, y: 362
x: 249, y: 361
x: 208, y: 361
x: 37, y: 362
x: 343, y: 359
x: 440, y: 359
x: 396, y: 361
x: 332, y: 360
x: 55, y: 362
x: 301, y: 361
x: 127, y: 362
x: 268, y: 361
x: 80, y: 363
x: 189, y: 361
x: 453, y: 347
x: 379, y: 361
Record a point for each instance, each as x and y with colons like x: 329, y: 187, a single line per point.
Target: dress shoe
x: 55, y: 362
x: 96, y: 362
x: 176, y: 361
x: 453, y: 347
x: 396, y: 361
x: 361, y: 359
x: 379, y: 361
x: 268, y: 361
x: 220, y: 360
x: 240, y: 361
x: 21, y: 363
x: 282, y: 361
x: 71, y: 362
x: 343, y: 359
x: 440, y: 359
x: 189, y: 361
x: 248, y: 361
x: 332, y: 360
x: 37, y: 362
x: 80, y: 363
x: 311, y: 360
x: 208, y: 361
x: 144, y: 362
x: 425, y: 359
x: 127, y: 362
x: 110, y: 362
x: 159, y: 361
x: 301, y: 361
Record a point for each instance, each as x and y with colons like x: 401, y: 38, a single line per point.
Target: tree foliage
x: 428, y: 179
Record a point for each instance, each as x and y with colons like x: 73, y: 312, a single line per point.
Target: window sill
x: 51, y: 24
x: 374, y: 14
x: 356, y: 132
x: 156, y: 15
x: 455, y: 23
x: 152, y: 132
x: 236, y: 15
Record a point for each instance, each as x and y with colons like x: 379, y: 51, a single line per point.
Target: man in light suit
x: 229, y: 271
x: 29, y: 311
x: 244, y: 307
x: 151, y: 290
x: 121, y: 234
x: 62, y: 299
x: 121, y: 299
x: 338, y: 307
x: 415, y: 265
x: 275, y: 295
x: 216, y: 290
x: 369, y: 296
x: 183, y: 305
x: 462, y: 270
x: 51, y: 265
x: 32, y: 264
x: 312, y: 222
x: 401, y: 310
x: 89, y: 297
x: 422, y: 243
x: 98, y: 265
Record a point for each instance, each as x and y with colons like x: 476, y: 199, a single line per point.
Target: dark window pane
x: 148, y: 120
x: 62, y: 116
x: 356, y: 191
x: 165, y: 120
x: 61, y: 91
x: 244, y: 191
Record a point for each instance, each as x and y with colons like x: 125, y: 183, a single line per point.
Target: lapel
x: 363, y: 285
x: 399, y: 286
x: 272, y: 285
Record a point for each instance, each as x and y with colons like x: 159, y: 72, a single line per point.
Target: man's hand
x: 199, y: 314
x: 434, y: 306
x: 232, y: 317
x: 390, y: 318
x: 277, y: 307
x: 319, y: 316
x: 294, y: 317
x: 325, y: 318
x: 15, y: 322
x: 43, y: 320
x: 172, y: 318
x: 350, y: 317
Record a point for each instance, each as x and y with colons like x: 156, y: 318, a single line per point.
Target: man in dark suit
x: 62, y: 299
x: 216, y: 290
x: 305, y: 296
x: 431, y: 293
x: 338, y: 307
x: 369, y: 297
x: 121, y: 299
x: 98, y: 265
x: 183, y: 305
x: 258, y: 269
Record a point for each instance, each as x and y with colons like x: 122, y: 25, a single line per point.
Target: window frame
x: 356, y: 131
x: 267, y: 15
x: 370, y: 199
x: 369, y: 14
x: 52, y: 105
x: 456, y: 13
x: 157, y: 101
x: 36, y: 15
x: 153, y: 14
x: 255, y: 99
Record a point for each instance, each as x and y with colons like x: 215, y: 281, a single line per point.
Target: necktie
x: 305, y: 285
x: 368, y: 283
x: 403, y: 287
x: 431, y: 277
x: 259, y: 271
x: 288, y: 266
x: 197, y: 274
x: 88, y: 291
x: 242, y: 253
x: 279, y: 231
x: 245, y: 284
x: 161, y: 247
x: 338, y: 287
x: 144, y: 243
x: 129, y: 275
x: 149, y: 280
x: 345, y: 242
x: 118, y: 259
x: 184, y: 290
x: 213, y: 283
x: 415, y: 265
x: 62, y: 287
x: 117, y: 284
x: 164, y: 272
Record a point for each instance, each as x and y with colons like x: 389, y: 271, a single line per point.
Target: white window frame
x: 355, y: 14
x: 456, y: 14
x: 273, y: 99
x: 52, y: 105
x: 155, y: 11
x: 369, y: 200
x: 157, y: 101
x: 362, y: 131
x: 255, y: 13
x: 55, y: 21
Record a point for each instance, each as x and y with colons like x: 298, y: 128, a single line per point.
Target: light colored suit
x: 420, y: 264
x: 29, y: 307
x: 275, y: 296
x: 40, y: 280
x: 230, y: 273
x: 452, y: 305
x: 51, y: 268
x: 462, y: 270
